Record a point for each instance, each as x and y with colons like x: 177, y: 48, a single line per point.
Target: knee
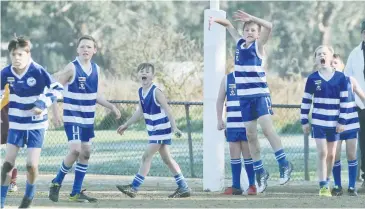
x: 331, y: 156
x: 86, y: 154
x: 146, y: 157
x: 251, y: 135
x: 267, y: 131
x: 351, y: 156
x: 75, y: 152
x: 322, y: 154
x: 166, y: 160
x: 32, y: 169
x: 6, y: 167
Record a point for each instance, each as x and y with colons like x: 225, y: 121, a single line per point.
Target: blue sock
x: 336, y: 172
x: 352, y: 172
x: 29, y: 190
x: 258, y: 167
x: 180, y: 181
x: 80, y: 172
x: 61, y: 174
x: 236, y: 166
x: 249, y: 170
x: 4, y: 191
x: 281, y: 158
x: 323, y: 184
x: 137, y: 181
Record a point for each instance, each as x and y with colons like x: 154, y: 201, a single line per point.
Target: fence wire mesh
x: 120, y: 155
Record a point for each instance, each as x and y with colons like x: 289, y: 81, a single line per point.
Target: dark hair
x: 19, y: 42
x: 337, y: 56
x: 251, y: 22
x: 145, y: 65
x: 86, y: 37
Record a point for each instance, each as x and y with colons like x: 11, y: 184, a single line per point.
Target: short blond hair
x: 329, y: 47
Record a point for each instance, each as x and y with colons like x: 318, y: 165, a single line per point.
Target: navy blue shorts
x: 31, y: 138
x: 234, y: 136
x: 75, y: 133
x: 348, y: 135
x: 253, y: 108
x: 325, y: 133
x: 166, y: 141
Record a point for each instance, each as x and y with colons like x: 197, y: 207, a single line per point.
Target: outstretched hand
x: 242, y: 16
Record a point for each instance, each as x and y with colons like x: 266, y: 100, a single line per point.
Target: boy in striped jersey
x: 160, y: 125
x: 4, y: 133
x: 328, y: 91
x: 235, y: 135
x: 254, y: 94
x: 81, y: 78
x: 349, y: 135
x: 32, y: 90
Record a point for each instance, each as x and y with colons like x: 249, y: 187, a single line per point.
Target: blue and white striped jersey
x: 330, y: 100
x: 157, y: 122
x: 249, y: 72
x: 233, y: 109
x: 352, y: 119
x: 34, y: 87
x: 80, y: 97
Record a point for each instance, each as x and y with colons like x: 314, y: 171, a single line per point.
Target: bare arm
x: 135, y: 117
x: 220, y: 100
x: 161, y: 99
x: 265, y: 30
x: 358, y: 91
x: 227, y: 24
x: 64, y: 76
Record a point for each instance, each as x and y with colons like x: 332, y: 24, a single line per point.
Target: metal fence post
x: 306, y: 157
x: 188, y: 126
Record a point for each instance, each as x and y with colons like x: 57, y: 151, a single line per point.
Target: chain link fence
x: 113, y: 154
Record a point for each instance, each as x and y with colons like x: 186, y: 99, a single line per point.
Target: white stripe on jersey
x: 248, y: 68
x: 326, y: 112
x: 25, y: 113
x: 155, y: 116
x: 326, y: 100
x: 247, y: 80
x: 28, y: 126
x: 233, y: 103
x: 351, y: 126
x: 72, y: 107
x: 79, y: 96
x: 235, y: 125
x: 158, y: 127
x: 252, y: 91
x: 22, y: 100
x: 324, y: 123
x: 234, y: 114
x: 74, y: 119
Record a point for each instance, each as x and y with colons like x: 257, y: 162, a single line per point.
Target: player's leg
x: 336, y: 171
x: 321, y: 145
x: 13, y: 187
x: 247, y: 159
x: 8, y: 165
x: 264, y: 111
x: 86, y: 136
x: 32, y: 163
x: 351, y: 146
x: 34, y: 139
x: 131, y: 189
x: 74, y: 145
x: 236, y: 164
x: 183, y: 188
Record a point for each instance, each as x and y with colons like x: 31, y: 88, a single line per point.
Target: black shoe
x: 180, y: 193
x: 25, y: 203
x: 82, y: 197
x: 236, y: 191
x: 54, y: 191
x: 337, y: 191
x: 352, y: 192
x: 128, y: 190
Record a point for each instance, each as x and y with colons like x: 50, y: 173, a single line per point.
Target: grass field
x: 113, y: 154
x: 154, y: 192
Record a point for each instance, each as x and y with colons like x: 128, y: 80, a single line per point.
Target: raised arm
x: 348, y: 68
x: 265, y: 29
x: 227, y: 24
x: 220, y: 104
